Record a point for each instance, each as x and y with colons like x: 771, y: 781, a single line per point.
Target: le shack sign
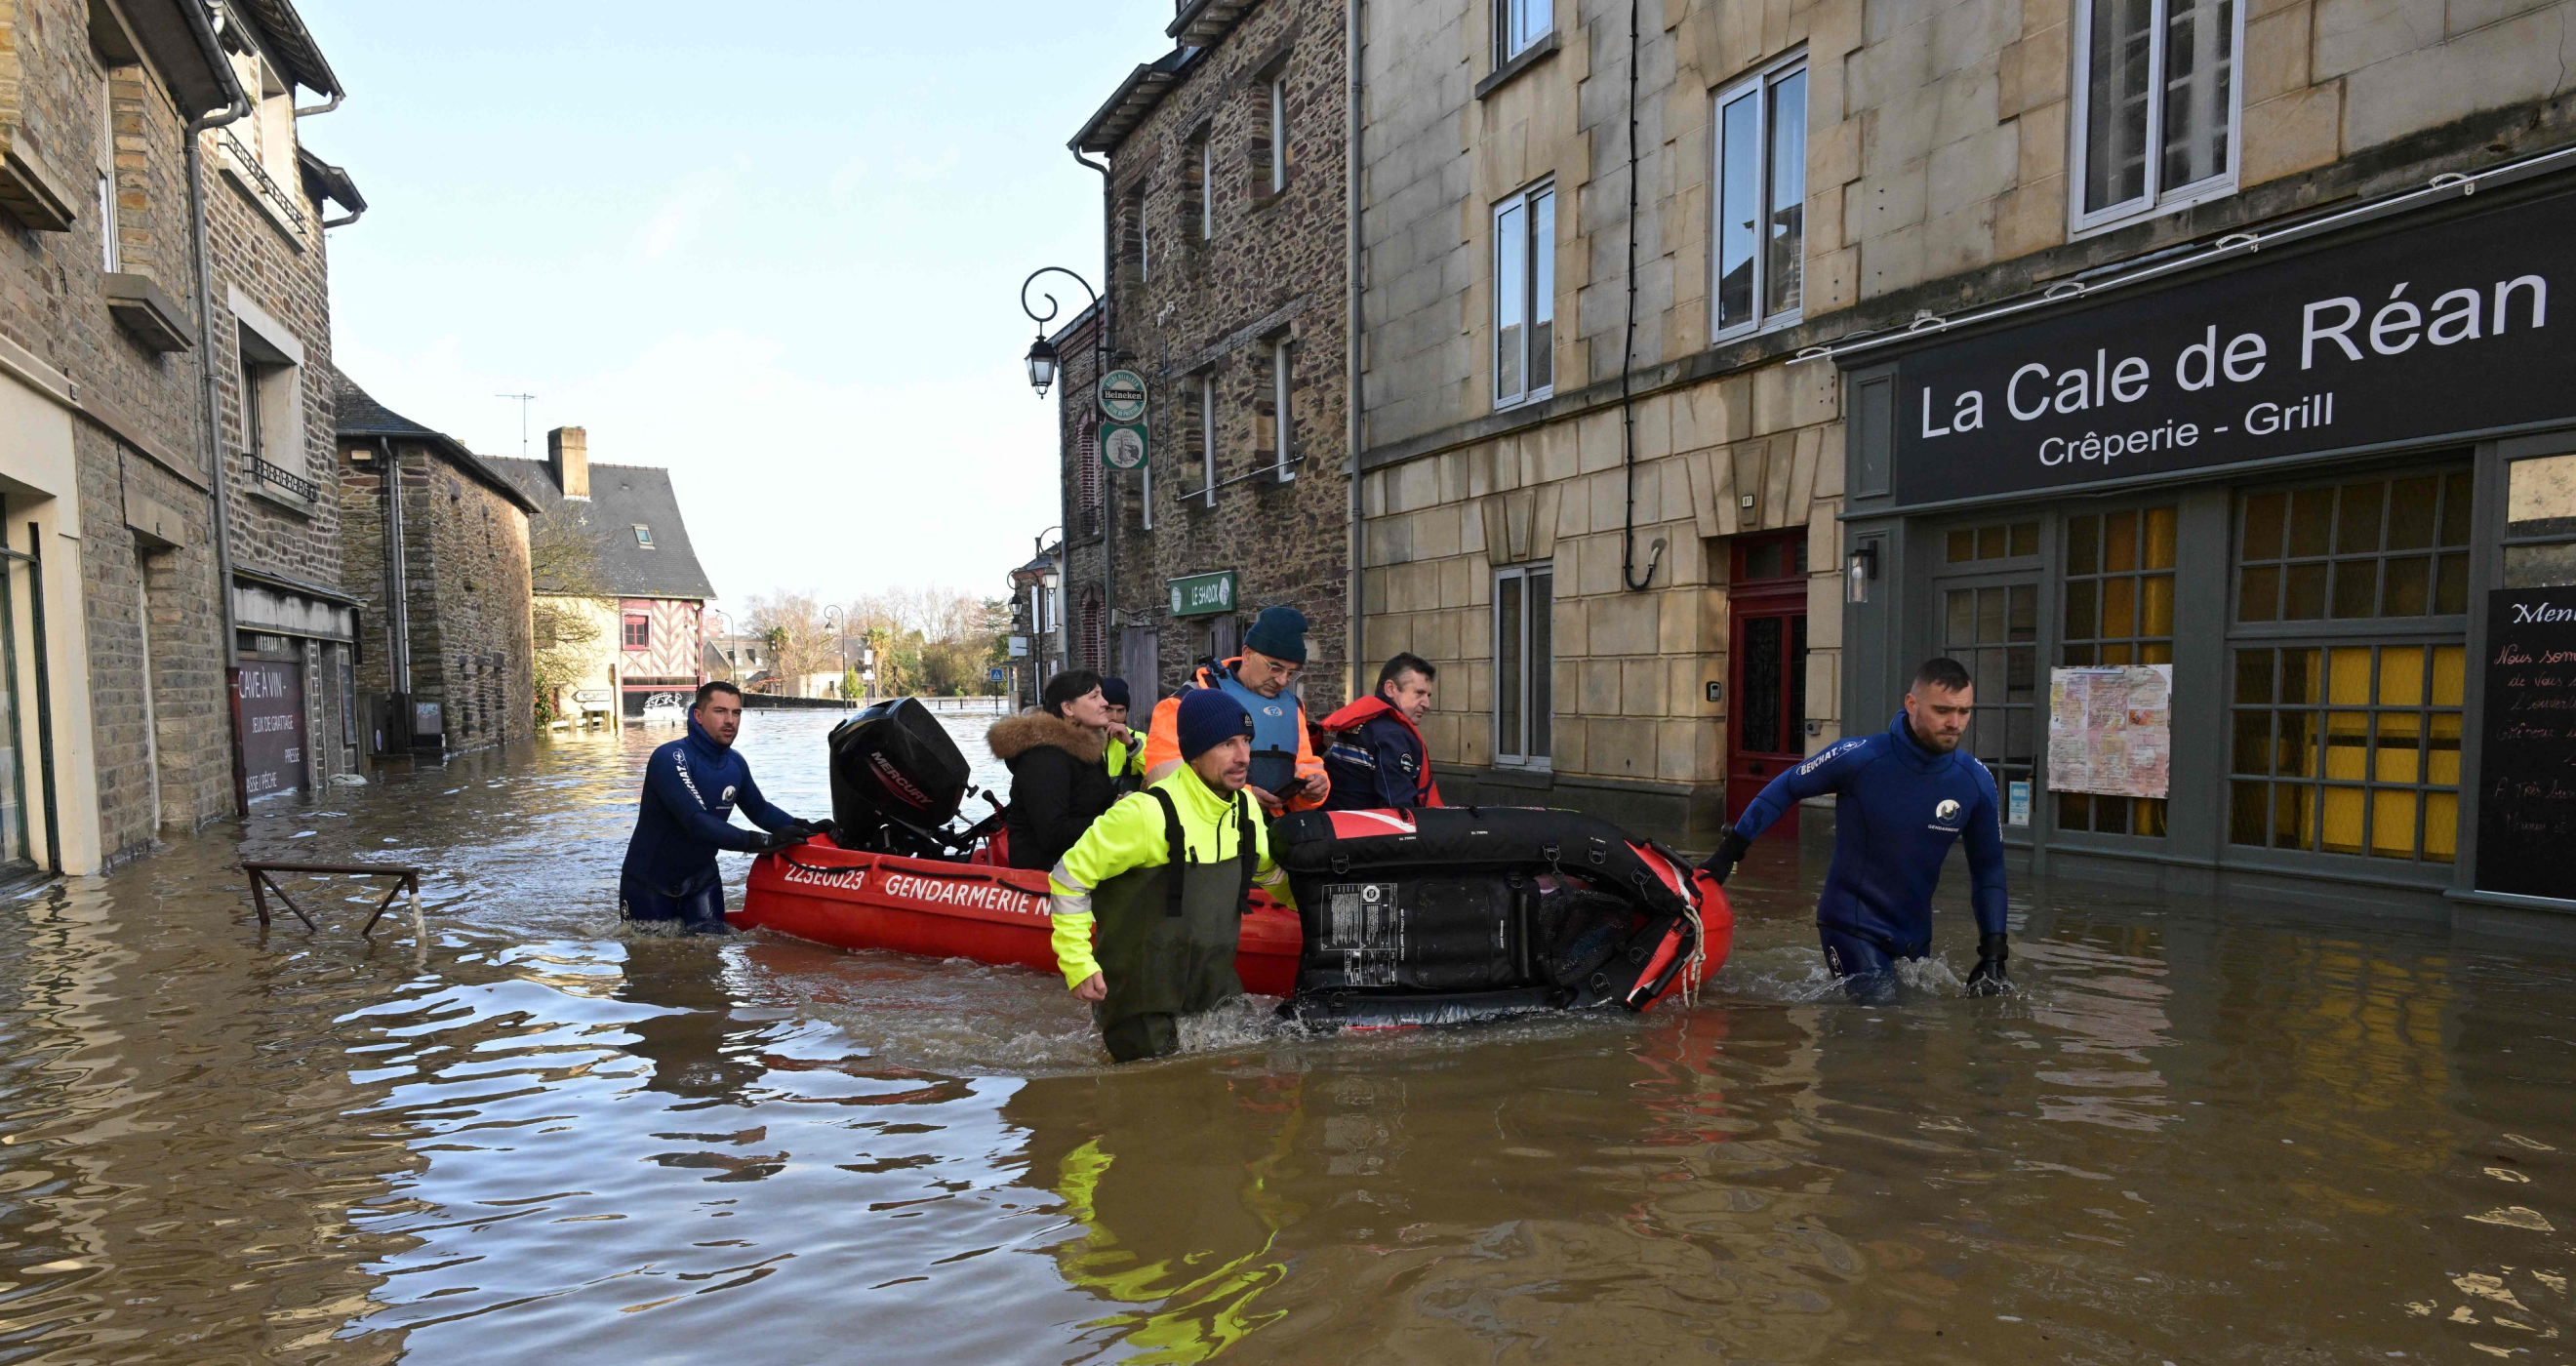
x: 2427, y: 331
x: 1201, y: 595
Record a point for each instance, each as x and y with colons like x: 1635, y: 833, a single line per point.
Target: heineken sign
x: 1123, y: 448
x: 1122, y: 396
x: 1202, y: 595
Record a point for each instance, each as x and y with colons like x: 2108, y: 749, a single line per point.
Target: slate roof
x: 621, y: 498
x: 354, y: 413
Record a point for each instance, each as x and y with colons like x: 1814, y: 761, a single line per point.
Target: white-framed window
x: 1203, y: 388
x: 643, y: 536
x: 1519, y: 24
x: 1525, y: 296
x: 2155, y: 123
x: 1272, y: 436
x: 110, y: 257
x: 1524, y: 664
x: 1278, y: 168
x: 1760, y: 188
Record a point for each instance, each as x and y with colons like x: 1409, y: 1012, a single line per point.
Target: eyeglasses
x: 1285, y: 673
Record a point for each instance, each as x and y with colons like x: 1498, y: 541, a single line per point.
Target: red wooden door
x: 1767, y: 666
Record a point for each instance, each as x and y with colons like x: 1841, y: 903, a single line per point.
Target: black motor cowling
x: 897, y: 780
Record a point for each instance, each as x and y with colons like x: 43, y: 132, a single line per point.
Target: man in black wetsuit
x: 1902, y: 797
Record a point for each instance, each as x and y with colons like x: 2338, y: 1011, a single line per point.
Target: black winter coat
x: 1059, y: 785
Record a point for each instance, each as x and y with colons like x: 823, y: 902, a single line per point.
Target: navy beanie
x: 1209, y: 717
x: 1279, y: 632
x: 1114, y: 691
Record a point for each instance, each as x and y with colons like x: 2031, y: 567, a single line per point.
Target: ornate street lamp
x: 1042, y: 364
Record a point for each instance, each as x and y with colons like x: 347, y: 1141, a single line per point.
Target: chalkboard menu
x: 2527, y: 782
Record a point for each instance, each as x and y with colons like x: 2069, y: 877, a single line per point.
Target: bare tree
x: 571, y: 591
x: 799, y: 641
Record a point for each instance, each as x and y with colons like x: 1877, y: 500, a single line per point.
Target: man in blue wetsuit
x: 691, y: 787
x: 1902, y: 797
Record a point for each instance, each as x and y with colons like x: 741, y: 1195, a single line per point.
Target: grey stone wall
x: 1273, y: 269
x: 468, y: 592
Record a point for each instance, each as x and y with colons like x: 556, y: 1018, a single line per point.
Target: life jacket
x: 1168, y: 933
x: 1456, y: 913
x: 1360, y: 713
x: 1277, y: 725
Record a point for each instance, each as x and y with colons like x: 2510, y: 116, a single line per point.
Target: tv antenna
x: 524, y: 401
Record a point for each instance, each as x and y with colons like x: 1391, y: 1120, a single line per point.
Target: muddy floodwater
x: 2199, y: 1133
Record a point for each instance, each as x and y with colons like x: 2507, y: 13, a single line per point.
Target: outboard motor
x: 1447, y: 914
x: 897, y: 781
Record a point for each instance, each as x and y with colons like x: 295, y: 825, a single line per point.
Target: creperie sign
x: 2430, y: 331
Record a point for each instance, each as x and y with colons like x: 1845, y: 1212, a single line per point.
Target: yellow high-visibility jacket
x: 1129, y: 836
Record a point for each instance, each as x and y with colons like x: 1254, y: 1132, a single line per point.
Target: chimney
x: 568, y: 455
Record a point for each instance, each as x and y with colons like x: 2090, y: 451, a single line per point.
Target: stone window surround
x: 2158, y: 203
x: 1507, y: 71
x: 267, y: 343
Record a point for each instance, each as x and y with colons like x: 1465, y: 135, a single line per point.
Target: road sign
x: 1122, y: 396
x: 997, y: 675
x: 1123, y: 448
x: 1201, y: 595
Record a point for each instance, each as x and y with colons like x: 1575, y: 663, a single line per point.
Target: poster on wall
x: 2527, y: 775
x: 2110, y: 731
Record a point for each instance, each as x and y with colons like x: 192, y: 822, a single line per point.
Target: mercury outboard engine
x: 897, y: 781
x: 1448, y: 914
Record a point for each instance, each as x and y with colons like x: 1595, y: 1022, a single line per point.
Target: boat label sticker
x: 1364, y: 924
x: 1122, y: 396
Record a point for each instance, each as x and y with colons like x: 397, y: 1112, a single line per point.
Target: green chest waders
x: 1167, y: 938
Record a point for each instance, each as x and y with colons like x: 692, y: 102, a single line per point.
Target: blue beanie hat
x: 1209, y: 717
x: 1114, y: 691
x: 1279, y: 632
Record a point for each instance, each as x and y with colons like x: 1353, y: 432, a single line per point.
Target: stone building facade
x: 1708, y: 420
x: 269, y: 347
x: 442, y: 582
x: 119, y: 711
x: 1597, y: 498
x: 1227, y: 216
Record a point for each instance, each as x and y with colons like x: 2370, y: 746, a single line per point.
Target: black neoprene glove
x: 774, y: 840
x: 1987, y: 977
x: 1730, y: 852
x: 826, y: 826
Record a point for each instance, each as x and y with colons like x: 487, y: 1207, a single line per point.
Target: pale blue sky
x: 773, y: 247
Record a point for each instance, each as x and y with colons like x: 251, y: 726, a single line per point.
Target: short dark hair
x: 710, y: 688
x: 1401, y: 663
x: 1065, y: 687
x: 1945, y: 673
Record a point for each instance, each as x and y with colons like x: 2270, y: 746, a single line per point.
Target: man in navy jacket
x: 691, y: 787
x: 1902, y: 797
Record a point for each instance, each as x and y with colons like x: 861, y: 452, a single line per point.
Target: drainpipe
x: 203, y: 24
x: 1356, y: 548
x: 1099, y: 377
x: 308, y: 111
x: 1628, y: 352
x: 397, y: 573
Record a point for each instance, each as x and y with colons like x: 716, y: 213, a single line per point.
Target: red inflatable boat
x: 943, y: 909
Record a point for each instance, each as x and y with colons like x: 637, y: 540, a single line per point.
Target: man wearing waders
x: 1167, y: 874
x: 691, y: 787
x: 1901, y: 799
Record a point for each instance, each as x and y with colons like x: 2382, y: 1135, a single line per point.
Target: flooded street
x: 2198, y: 1134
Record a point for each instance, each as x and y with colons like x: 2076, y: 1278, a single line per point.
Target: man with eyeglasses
x: 1286, y: 775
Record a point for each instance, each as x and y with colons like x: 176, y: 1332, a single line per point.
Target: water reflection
x: 2196, y: 1133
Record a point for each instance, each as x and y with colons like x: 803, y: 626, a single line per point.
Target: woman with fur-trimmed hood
x: 1059, y: 785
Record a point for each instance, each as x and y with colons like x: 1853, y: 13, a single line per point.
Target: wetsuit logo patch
x: 1947, y: 811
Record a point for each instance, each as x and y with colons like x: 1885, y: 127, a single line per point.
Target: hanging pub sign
x: 1123, y: 447
x: 1122, y: 396
x: 2420, y: 332
x: 2527, y: 779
